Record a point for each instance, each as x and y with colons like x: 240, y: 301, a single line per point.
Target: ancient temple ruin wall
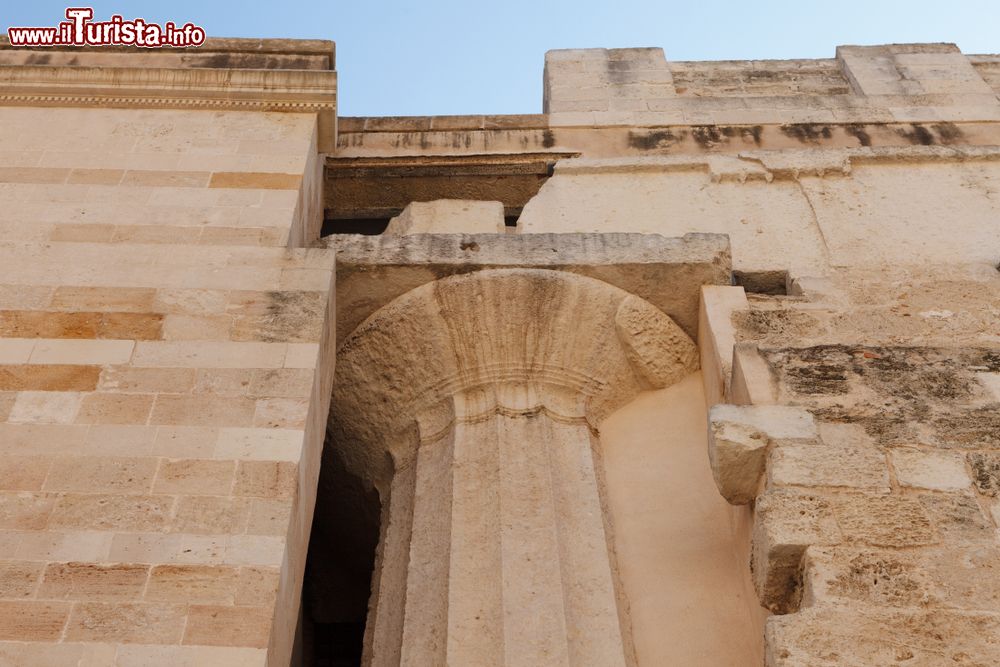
x: 875, y: 517
x: 165, y: 369
x: 859, y: 438
x: 166, y: 358
x: 804, y: 211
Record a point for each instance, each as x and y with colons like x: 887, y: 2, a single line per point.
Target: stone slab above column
x: 667, y: 272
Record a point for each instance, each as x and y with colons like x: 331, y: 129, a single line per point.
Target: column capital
x: 579, y: 336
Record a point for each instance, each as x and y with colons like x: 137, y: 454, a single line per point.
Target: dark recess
x: 762, y: 282
x: 339, y: 567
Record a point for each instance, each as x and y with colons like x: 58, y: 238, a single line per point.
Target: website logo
x: 81, y: 30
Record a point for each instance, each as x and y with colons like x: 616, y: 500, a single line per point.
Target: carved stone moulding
x: 545, y: 340
x: 472, y: 401
x: 294, y: 91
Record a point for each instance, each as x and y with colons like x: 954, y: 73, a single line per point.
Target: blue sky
x: 449, y: 57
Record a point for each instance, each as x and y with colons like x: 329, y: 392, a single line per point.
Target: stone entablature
x: 236, y: 75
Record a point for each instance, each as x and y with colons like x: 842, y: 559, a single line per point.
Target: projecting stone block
x: 716, y: 337
x: 449, y: 216
x: 785, y: 525
x: 910, y: 69
x: 737, y: 453
x: 739, y: 437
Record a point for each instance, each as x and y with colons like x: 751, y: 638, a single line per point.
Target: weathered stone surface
x: 166, y: 359
x: 637, y: 263
x: 449, y: 216
x: 659, y: 351
x: 738, y: 442
x: 785, y: 525
x: 947, y: 577
x: 737, y: 453
x: 937, y: 471
x: 815, y: 465
x: 502, y: 427
x: 864, y: 636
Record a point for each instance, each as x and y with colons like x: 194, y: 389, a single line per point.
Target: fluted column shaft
x: 508, y: 562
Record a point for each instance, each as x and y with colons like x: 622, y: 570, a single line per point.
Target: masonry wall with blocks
x: 165, y: 368
x: 821, y: 492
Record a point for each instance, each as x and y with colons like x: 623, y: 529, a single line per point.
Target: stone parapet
x: 899, y: 82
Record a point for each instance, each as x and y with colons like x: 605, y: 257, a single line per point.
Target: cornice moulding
x: 293, y: 91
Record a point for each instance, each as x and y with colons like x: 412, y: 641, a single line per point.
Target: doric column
x: 473, y: 405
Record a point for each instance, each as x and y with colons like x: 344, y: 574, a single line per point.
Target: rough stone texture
x: 738, y: 442
x: 639, y: 264
x: 866, y: 539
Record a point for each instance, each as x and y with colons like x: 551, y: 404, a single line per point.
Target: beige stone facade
x: 701, y: 366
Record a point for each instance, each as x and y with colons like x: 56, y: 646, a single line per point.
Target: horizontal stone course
x: 149, y: 493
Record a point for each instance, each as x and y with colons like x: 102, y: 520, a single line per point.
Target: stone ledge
x: 301, y: 91
x: 216, y: 52
x: 373, y: 270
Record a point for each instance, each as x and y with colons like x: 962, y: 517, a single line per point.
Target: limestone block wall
x: 165, y: 371
x: 873, y: 436
x: 896, y: 82
x: 804, y: 211
x: 863, y: 435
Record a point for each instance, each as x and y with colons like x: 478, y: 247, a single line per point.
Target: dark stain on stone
x: 764, y: 75
x: 911, y: 393
x: 758, y: 324
x: 991, y: 360
x: 986, y: 472
x: 294, y: 317
x: 912, y: 374
x: 978, y: 428
x: 859, y: 132
x: 918, y: 134
x: 652, y: 139
x: 548, y: 138
x: 753, y: 132
x: 217, y: 61
x: 807, y: 133
x: 818, y: 379
x: 949, y: 133
x: 822, y: 369
x: 707, y: 136
x: 469, y: 245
